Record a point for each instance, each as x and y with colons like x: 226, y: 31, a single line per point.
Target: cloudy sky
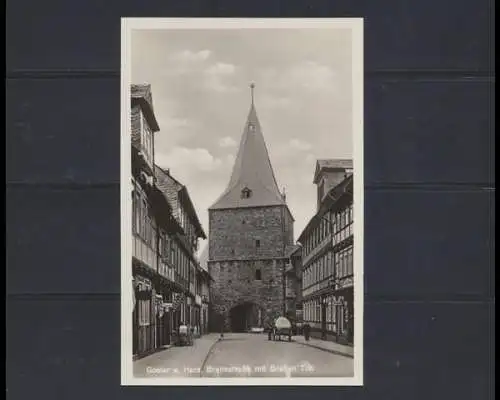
x: 200, y: 85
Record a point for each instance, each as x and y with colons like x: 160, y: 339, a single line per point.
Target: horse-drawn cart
x: 282, y: 328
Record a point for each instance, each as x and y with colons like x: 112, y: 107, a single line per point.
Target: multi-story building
x: 250, y: 227
x: 151, y: 220
x: 181, y: 249
x: 167, y: 279
x: 293, y: 284
x: 205, y: 291
x: 327, y: 255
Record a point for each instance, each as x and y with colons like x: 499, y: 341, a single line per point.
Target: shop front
x: 338, y: 310
x: 204, y: 319
x: 330, y: 315
x: 188, y: 311
x: 164, y: 319
x: 197, y: 315
x: 143, y: 316
x: 176, y: 310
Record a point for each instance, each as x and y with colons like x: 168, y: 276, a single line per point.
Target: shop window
x: 144, y: 312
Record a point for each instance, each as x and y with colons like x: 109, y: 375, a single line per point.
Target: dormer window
x: 246, y: 193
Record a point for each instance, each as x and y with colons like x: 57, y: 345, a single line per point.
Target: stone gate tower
x: 250, y: 233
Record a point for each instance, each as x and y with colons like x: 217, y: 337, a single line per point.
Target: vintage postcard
x: 242, y: 202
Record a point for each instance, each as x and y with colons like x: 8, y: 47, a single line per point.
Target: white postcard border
x: 129, y: 24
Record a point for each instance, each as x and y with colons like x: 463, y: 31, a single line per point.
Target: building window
x: 257, y: 243
x: 246, y: 193
x: 342, y: 265
x: 350, y: 262
x: 146, y: 140
x: 321, y: 191
x: 258, y: 274
x: 144, y: 312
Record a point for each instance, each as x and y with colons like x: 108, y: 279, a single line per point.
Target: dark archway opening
x: 246, y: 316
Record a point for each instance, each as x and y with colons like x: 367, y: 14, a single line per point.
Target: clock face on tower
x: 251, y: 127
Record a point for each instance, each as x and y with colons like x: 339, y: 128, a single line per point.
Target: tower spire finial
x: 252, y: 87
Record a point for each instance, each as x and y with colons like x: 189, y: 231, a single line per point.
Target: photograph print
x: 242, y: 202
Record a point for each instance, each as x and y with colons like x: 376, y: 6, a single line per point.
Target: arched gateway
x: 250, y: 230
x: 245, y: 316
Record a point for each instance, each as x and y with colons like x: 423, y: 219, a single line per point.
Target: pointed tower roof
x: 252, y: 181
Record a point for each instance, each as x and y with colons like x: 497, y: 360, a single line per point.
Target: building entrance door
x: 135, y: 329
x: 340, y: 321
x: 159, y: 331
x: 163, y: 329
x: 323, y: 320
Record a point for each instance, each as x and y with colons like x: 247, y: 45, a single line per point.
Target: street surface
x: 244, y: 355
x: 253, y: 355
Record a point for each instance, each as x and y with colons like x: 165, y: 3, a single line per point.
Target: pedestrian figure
x: 307, y: 331
x: 191, y: 336
x: 270, y: 330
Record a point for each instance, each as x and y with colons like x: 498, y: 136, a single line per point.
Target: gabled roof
x: 292, y: 249
x: 344, y: 188
x: 163, y: 177
x: 252, y: 170
x: 331, y: 165
x: 141, y: 94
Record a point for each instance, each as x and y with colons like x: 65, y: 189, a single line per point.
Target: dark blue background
x: 429, y: 212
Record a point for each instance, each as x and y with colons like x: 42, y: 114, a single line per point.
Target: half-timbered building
x: 182, y: 247
x: 327, y: 255
x: 151, y: 216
